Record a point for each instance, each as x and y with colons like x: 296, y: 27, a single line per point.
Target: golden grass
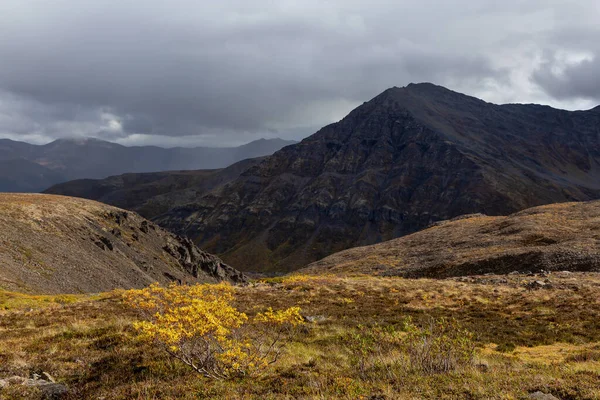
x: 550, y: 338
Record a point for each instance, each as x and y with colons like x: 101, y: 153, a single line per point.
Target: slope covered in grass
x: 527, y: 340
x: 554, y: 237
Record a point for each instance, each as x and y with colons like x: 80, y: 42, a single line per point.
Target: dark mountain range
x: 20, y: 175
x: 58, y: 244
x: 153, y: 193
x: 409, y: 157
x: 556, y: 237
x: 91, y: 158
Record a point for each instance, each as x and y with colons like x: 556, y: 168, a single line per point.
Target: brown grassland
x: 527, y: 340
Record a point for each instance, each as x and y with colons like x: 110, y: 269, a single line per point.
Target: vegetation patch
x: 400, y: 338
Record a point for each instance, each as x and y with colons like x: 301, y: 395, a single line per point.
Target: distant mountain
x: 557, y: 237
x: 92, y: 158
x: 57, y: 244
x: 19, y: 175
x: 407, y: 158
x: 152, y: 193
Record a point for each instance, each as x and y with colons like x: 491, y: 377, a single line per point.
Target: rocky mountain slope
x: 556, y: 237
x: 153, y: 193
x: 57, y: 244
x: 70, y: 159
x: 409, y: 157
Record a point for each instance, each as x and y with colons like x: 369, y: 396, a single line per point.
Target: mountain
x: 557, y: 237
x: 92, y: 158
x: 57, y: 244
x: 19, y: 175
x: 409, y: 157
x: 153, y: 193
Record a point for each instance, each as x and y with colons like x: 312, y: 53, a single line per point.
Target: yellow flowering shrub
x: 199, y: 326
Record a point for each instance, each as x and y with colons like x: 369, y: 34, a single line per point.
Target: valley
x: 428, y: 246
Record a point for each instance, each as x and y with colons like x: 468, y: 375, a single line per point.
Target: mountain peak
x: 80, y: 141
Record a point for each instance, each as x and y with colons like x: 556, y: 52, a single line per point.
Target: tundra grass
x: 527, y: 340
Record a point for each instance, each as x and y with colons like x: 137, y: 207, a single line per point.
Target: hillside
x: 19, y: 175
x: 56, y: 244
x: 153, y: 193
x: 407, y: 158
x: 70, y: 159
x: 557, y: 237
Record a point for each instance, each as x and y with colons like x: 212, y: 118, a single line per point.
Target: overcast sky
x: 200, y: 72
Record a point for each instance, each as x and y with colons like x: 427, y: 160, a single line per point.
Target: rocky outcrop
x: 400, y: 162
x: 197, y: 262
x: 47, y: 387
x: 57, y: 244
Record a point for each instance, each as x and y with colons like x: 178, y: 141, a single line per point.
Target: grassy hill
x: 57, y: 244
x: 554, y: 237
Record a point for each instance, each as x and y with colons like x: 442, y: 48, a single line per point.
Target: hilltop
x: 557, y: 237
x: 57, y: 244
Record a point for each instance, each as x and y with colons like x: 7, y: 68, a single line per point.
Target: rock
x: 195, y: 261
x: 107, y: 243
x: 314, y: 318
x: 483, y: 366
x: 542, y: 396
x: 534, y: 285
x: 48, y: 377
x: 49, y: 389
x: 54, y: 391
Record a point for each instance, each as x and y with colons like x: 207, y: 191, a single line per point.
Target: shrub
x: 372, y: 347
x: 199, y: 326
x: 441, y: 346
x: 506, y: 347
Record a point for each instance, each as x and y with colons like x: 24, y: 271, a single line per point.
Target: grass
x: 19, y: 301
x: 546, y: 340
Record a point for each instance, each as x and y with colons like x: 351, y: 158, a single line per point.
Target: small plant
x: 370, y: 346
x: 441, y: 346
x: 199, y: 326
x: 506, y: 347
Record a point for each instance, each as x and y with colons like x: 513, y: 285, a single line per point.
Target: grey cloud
x: 233, y: 71
x: 581, y: 79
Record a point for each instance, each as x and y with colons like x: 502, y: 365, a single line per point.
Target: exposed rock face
x: 407, y: 158
x: 198, y: 262
x: 56, y: 244
x: 557, y: 237
x: 153, y: 193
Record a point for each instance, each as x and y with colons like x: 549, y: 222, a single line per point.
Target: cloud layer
x: 227, y: 72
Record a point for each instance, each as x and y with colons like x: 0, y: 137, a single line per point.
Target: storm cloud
x: 186, y: 72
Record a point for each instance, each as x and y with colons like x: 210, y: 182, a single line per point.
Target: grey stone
x: 542, y: 396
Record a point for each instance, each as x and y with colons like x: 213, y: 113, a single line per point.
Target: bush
x: 199, y: 326
x: 369, y: 347
x: 441, y: 346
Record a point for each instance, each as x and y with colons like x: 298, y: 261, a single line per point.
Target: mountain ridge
x: 91, y: 158
x: 152, y: 193
x: 408, y: 157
